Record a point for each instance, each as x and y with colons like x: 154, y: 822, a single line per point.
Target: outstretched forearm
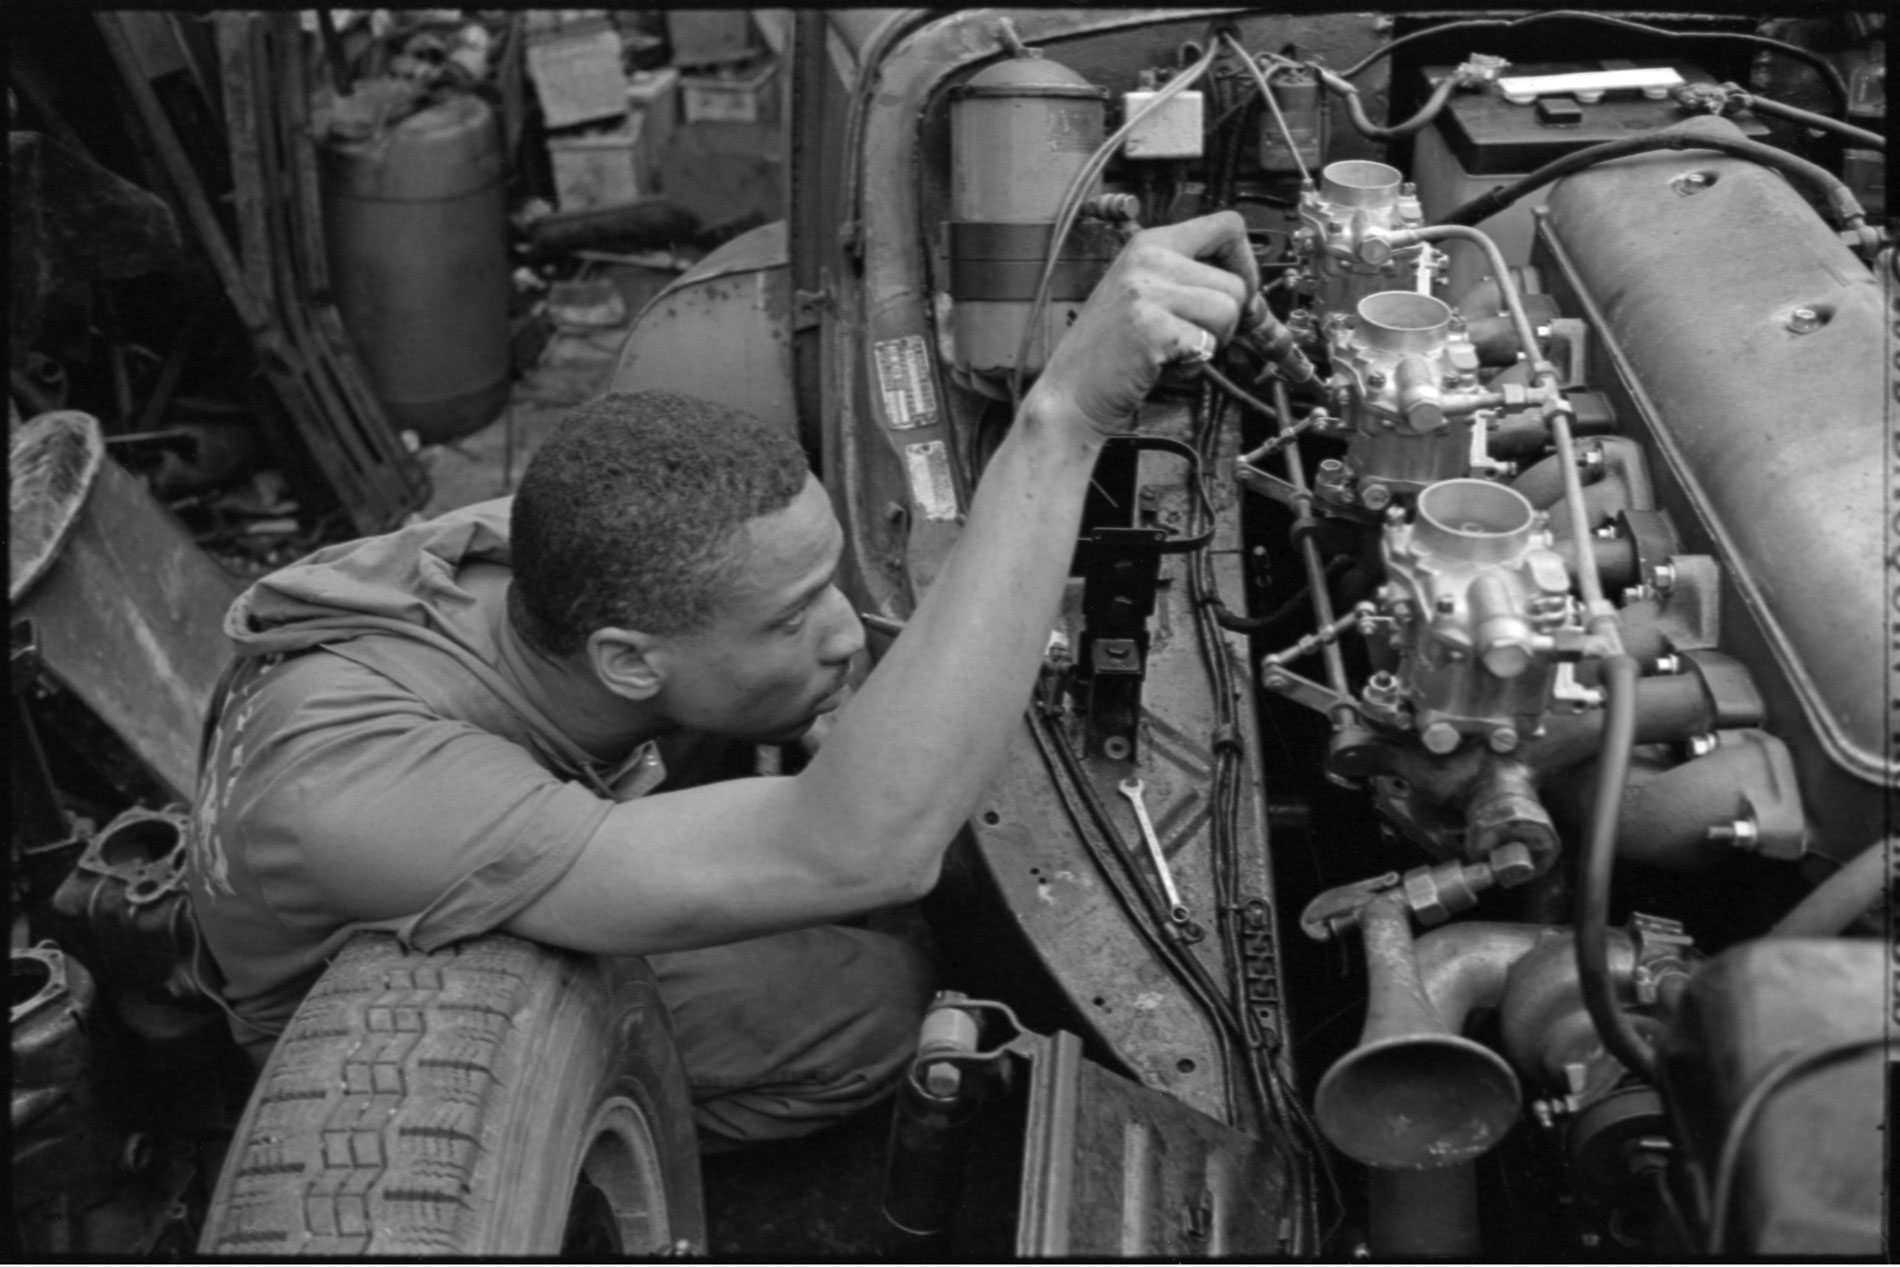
x: 907, y: 761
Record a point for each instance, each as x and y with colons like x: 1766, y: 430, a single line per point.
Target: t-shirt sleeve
x: 360, y: 803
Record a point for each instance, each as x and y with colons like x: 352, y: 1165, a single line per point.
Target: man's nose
x: 844, y: 632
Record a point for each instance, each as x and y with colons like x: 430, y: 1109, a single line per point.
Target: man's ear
x: 627, y: 662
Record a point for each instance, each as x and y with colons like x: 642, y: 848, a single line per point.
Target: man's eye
x: 794, y: 622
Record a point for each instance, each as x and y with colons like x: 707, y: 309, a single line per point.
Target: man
x: 465, y: 725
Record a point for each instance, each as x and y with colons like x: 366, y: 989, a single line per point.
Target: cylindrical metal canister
x: 1020, y: 131
x: 416, y: 224
x: 930, y: 1138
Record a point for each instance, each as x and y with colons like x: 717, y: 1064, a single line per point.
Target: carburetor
x: 1405, y: 380
x: 1356, y: 199
x: 1477, y: 598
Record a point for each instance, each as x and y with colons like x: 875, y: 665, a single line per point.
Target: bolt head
x: 1375, y: 496
x: 1503, y: 739
x: 1440, y: 738
x: 1804, y: 321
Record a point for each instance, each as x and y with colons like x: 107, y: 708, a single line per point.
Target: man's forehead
x: 790, y: 549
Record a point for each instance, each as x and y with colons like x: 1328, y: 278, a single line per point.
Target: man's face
x: 776, y: 654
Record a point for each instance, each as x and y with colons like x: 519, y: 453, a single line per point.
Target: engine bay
x: 1487, y: 645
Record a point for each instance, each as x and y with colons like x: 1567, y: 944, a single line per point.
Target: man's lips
x: 835, y: 697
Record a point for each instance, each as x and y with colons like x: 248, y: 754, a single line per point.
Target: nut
x: 1440, y: 738
x: 1511, y: 864
x: 1804, y: 321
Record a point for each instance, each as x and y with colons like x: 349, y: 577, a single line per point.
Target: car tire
x: 496, y: 1099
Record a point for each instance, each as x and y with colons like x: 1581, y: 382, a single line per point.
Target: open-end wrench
x: 1131, y: 788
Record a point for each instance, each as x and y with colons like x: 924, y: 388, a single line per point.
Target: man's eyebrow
x: 807, y: 596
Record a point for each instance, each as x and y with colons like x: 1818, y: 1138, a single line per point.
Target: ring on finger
x: 1204, y: 350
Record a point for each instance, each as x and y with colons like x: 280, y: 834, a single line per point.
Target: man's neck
x: 600, y: 723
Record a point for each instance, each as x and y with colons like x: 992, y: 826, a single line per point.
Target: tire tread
x: 366, y: 1129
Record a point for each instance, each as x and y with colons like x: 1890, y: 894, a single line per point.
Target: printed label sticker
x: 903, y: 380
x: 930, y: 484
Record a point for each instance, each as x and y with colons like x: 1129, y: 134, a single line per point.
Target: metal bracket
x: 1121, y: 577
x: 809, y: 308
x: 1431, y: 894
x: 1301, y: 690
x: 1336, y: 911
x: 1255, y: 480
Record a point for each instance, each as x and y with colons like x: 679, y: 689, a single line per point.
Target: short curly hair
x: 628, y: 516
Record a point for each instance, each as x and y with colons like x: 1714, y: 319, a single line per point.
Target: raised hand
x: 1173, y: 294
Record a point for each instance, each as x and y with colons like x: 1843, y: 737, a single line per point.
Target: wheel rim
x: 619, y: 1203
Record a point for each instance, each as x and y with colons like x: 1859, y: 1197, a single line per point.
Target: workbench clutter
x: 607, y: 113
x: 728, y: 63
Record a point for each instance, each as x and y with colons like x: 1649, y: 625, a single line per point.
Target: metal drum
x: 416, y: 226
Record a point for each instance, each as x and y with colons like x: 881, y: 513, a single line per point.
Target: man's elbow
x: 887, y: 881
x: 915, y: 883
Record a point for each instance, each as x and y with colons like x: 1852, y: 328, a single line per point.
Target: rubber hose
x: 1839, y: 198
x: 1843, y: 897
x: 1808, y: 118
x: 1599, y: 857
x: 1363, y: 123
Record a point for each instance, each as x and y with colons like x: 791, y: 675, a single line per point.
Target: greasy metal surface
x: 1773, y: 439
x: 1115, y: 1170
x: 722, y: 331
x: 1114, y: 983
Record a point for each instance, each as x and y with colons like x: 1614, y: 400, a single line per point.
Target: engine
x: 1574, y: 487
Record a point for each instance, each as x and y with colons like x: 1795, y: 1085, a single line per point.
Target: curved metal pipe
x: 1416, y: 1094
x: 1668, y: 812
x: 1546, y: 1027
x: 1668, y: 709
x: 1413, y: 1095
x: 1625, y: 484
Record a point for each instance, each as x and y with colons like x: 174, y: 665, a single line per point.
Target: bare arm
x: 867, y: 822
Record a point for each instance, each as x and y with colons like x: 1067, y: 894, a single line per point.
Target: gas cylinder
x: 1020, y: 131
x: 415, y: 221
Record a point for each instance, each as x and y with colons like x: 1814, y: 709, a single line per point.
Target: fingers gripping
x: 1221, y: 241
x: 1175, y: 294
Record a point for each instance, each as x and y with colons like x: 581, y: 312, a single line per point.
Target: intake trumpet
x: 1413, y: 1095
